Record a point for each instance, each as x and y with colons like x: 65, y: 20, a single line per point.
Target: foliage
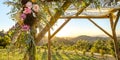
x: 82, y: 45
x: 4, y: 41
x: 70, y: 52
x: 42, y: 55
x: 97, y: 46
x: 100, y: 45
x: 110, y: 47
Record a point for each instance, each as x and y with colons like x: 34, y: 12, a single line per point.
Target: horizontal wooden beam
x: 103, y: 16
x: 114, y: 9
x: 90, y: 16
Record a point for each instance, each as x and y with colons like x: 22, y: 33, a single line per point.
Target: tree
x: 110, y: 47
x: 100, y: 44
x: 82, y: 45
x: 4, y: 41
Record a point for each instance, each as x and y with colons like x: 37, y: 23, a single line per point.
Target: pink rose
x: 27, y: 11
x: 25, y: 27
x: 29, y: 5
x: 36, y: 8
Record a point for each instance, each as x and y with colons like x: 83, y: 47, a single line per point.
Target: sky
x: 75, y: 27
x: 5, y: 21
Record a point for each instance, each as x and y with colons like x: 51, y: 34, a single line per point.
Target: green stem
x: 31, y: 51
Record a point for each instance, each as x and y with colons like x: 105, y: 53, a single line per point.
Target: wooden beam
x: 90, y: 16
x: 102, y: 16
x: 49, y: 45
x: 52, y: 21
x: 60, y: 28
x: 114, y: 10
x: 100, y: 28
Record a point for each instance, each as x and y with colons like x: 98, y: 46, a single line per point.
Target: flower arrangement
x: 28, y: 14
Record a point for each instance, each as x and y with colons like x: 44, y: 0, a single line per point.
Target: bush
x: 4, y: 41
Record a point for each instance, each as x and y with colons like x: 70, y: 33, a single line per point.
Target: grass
x: 42, y: 55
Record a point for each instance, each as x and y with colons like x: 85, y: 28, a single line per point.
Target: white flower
x: 36, y: 8
x: 29, y: 5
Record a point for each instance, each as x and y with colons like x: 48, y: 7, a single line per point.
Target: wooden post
x: 49, y: 46
x: 116, y: 46
x: 113, y: 27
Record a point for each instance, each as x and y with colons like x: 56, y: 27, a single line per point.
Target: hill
x: 69, y: 40
x: 89, y: 38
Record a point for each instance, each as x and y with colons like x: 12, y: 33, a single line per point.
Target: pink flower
x: 36, y: 8
x: 29, y: 5
x: 25, y: 27
x: 27, y: 11
x: 23, y: 16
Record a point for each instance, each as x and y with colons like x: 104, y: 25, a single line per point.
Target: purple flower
x: 25, y: 27
x: 23, y: 16
x: 27, y: 11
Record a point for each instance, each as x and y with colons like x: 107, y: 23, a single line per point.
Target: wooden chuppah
x: 113, y: 23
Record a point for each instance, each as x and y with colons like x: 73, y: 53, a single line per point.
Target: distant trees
x: 99, y: 46
x: 82, y: 45
x: 96, y: 46
x: 110, y: 47
x: 4, y: 41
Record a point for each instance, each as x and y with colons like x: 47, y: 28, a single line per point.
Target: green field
x: 42, y: 55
